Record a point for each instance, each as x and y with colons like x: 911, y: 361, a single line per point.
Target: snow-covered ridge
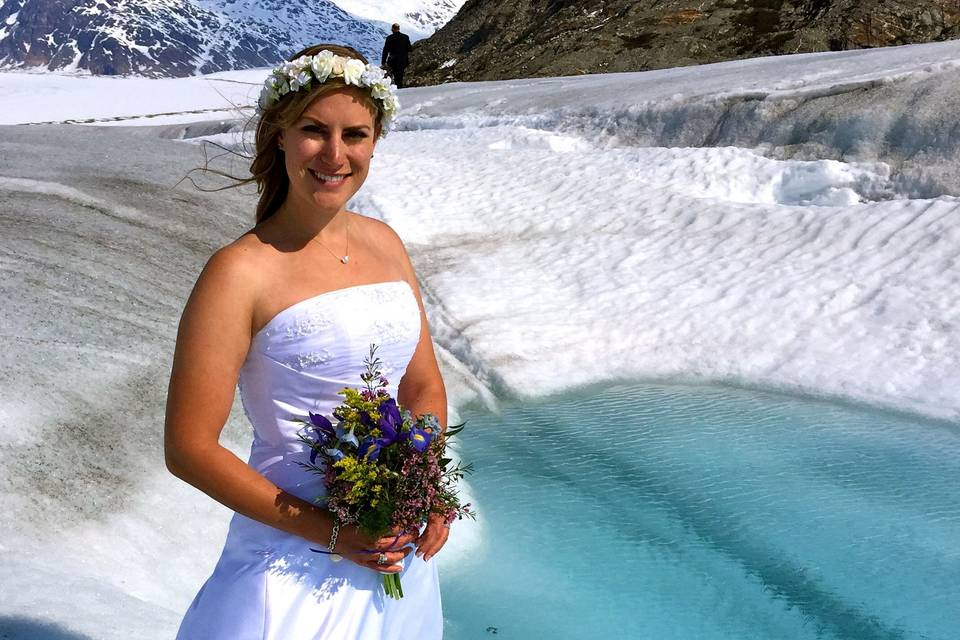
x: 162, y: 38
x: 417, y: 18
x: 893, y: 104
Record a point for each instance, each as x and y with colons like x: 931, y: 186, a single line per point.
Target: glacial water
x: 701, y: 513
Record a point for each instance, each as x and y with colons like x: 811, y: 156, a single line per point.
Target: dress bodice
x: 306, y: 354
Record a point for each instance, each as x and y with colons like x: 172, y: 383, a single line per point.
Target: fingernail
x: 427, y: 558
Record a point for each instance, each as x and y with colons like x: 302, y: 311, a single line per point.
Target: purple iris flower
x: 418, y: 438
x: 387, y: 432
x: 370, y: 448
x: 388, y: 425
x: 324, y: 430
x: 390, y: 420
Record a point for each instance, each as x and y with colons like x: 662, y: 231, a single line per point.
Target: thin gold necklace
x: 346, y: 256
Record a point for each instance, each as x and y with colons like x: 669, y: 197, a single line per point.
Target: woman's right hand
x: 365, y: 551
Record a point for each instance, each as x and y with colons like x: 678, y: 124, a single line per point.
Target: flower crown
x: 300, y: 74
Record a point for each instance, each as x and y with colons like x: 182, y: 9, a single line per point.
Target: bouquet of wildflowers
x: 382, y: 467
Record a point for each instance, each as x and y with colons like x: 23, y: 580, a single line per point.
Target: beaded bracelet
x: 333, y: 535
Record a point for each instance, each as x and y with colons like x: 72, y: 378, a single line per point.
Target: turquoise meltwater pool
x: 707, y: 513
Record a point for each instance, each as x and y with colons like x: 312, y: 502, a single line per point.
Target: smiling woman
x: 289, y: 310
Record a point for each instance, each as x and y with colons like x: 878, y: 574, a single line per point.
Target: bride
x: 289, y: 311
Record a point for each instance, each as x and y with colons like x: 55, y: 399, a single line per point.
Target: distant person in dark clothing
x: 396, y: 56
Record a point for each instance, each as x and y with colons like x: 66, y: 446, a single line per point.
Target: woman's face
x: 327, y: 151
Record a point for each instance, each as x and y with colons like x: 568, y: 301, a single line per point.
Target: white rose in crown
x: 322, y: 65
x: 352, y: 71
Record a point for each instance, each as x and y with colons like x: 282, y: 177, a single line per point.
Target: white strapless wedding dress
x: 268, y: 584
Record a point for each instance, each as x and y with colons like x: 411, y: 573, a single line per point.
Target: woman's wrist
x: 312, y: 522
x: 438, y: 518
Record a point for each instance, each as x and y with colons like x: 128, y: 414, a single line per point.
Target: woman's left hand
x: 433, y: 538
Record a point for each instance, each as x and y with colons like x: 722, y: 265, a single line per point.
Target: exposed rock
x: 493, y: 40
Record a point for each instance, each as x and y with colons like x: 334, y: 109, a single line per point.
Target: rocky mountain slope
x: 493, y: 40
x: 185, y: 37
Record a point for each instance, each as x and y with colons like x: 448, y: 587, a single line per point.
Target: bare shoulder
x: 383, y: 236
x: 236, y: 261
x: 230, y: 283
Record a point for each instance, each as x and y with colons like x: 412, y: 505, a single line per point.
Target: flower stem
x: 391, y: 585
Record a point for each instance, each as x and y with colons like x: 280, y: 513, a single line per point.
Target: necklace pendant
x: 345, y: 259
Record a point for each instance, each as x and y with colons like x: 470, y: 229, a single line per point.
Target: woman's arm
x: 212, y: 343
x: 421, y: 391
